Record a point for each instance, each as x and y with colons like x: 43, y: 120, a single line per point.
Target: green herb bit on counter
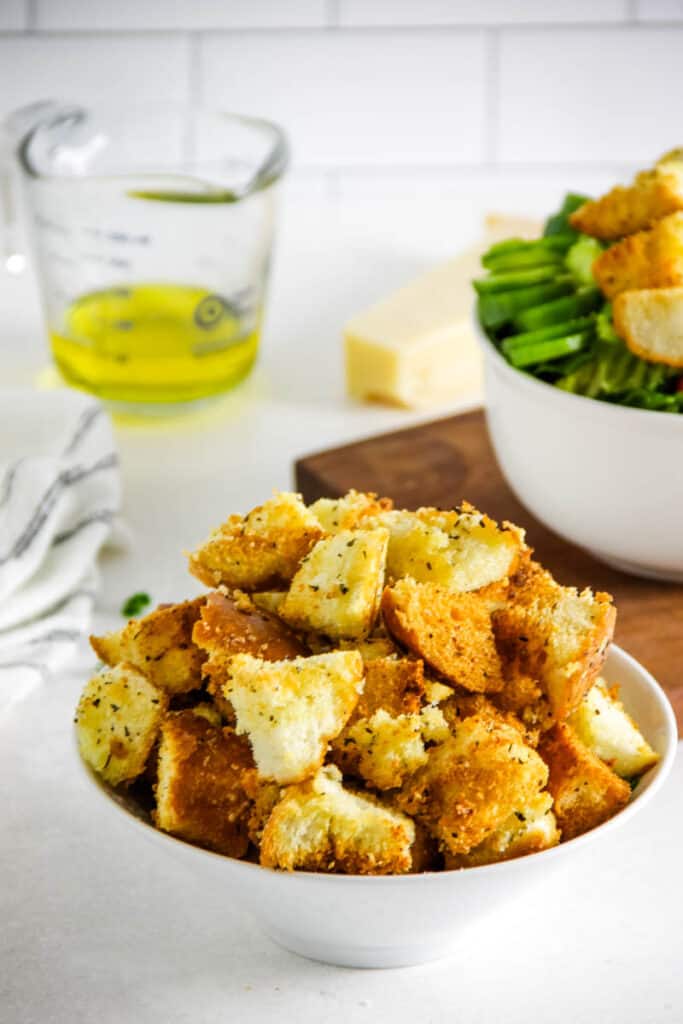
x: 135, y: 604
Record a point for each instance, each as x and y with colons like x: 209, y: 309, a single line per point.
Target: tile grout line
x: 31, y: 16
x: 491, y: 96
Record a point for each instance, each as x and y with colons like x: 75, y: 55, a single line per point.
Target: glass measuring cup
x: 151, y: 230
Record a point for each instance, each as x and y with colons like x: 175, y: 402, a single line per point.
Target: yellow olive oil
x: 154, y: 343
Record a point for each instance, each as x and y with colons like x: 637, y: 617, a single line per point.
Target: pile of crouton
x: 366, y: 690
x: 642, y: 272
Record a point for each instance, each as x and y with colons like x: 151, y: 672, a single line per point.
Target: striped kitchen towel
x: 59, y: 494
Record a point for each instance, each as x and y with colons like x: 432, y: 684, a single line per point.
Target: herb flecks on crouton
x: 199, y: 791
x: 348, y: 512
x: 473, y: 782
x: 461, y: 550
x: 528, y: 829
x: 321, y: 826
x: 160, y: 645
x: 556, y: 635
x: 260, y: 550
x: 585, y: 791
x: 117, y: 722
x: 451, y: 632
x: 603, y: 725
x: 290, y: 710
x: 338, y: 587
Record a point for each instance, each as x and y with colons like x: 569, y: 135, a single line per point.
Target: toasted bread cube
x: 556, y: 635
x: 347, y: 513
x: 436, y: 692
x: 261, y: 550
x: 117, y: 722
x: 648, y: 259
x: 290, y: 710
x: 381, y: 750
x: 528, y: 830
x: 460, y: 550
x: 651, y: 323
x: 160, y: 645
x: 338, y: 587
x: 384, y: 750
x: 585, y: 791
x: 654, y: 194
x: 473, y: 782
x: 377, y: 646
x: 602, y: 723
x: 321, y: 826
x: 233, y: 625
x: 451, y: 632
x: 199, y: 791
x: 395, y: 685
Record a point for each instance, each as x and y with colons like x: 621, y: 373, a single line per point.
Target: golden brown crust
x: 585, y: 791
x: 318, y: 825
x: 160, y: 645
x: 200, y: 792
x: 451, y: 632
x: 473, y: 782
x: 259, y: 551
x: 555, y: 635
x: 648, y: 259
x: 625, y: 210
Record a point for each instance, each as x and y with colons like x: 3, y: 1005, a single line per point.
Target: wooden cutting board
x: 443, y: 462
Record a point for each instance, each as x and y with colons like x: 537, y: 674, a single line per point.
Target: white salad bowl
x: 392, y: 921
x: 606, y: 477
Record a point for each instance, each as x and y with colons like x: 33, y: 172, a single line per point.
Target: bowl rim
x: 540, y: 387
x: 657, y: 776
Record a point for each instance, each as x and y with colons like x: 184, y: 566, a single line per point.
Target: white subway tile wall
x: 450, y: 90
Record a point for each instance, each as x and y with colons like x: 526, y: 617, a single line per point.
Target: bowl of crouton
x: 582, y: 335
x: 374, y: 725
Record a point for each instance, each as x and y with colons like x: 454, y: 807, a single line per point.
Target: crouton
x: 395, y: 685
x: 602, y: 723
x: 290, y: 710
x: 117, y: 722
x: 436, y: 692
x: 347, y: 513
x: 264, y: 796
x: 648, y: 259
x: 527, y: 830
x: 461, y: 550
x: 160, y: 645
x: 385, y: 738
x: 381, y: 750
x: 585, y: 791
x: 651, y: 323
x: 451, y: 632
x: 321, y: 826
x: 556, y: 635
x: 473, y: 782
x: 232, y: 625
x: 622, y: 211
x: 338, y: 587
x: 199, y: 791
x: 261, y: 550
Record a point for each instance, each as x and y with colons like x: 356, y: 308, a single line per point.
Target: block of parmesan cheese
x: 417, y: 347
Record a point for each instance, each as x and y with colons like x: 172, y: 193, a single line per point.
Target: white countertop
x: 94, y: 927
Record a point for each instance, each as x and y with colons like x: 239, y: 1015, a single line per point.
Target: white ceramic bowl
x: 605, y: 477
x: 356, y: 921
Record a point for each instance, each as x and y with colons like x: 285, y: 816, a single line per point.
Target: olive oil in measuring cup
x: 154, y: 343
x: 151, y: 231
